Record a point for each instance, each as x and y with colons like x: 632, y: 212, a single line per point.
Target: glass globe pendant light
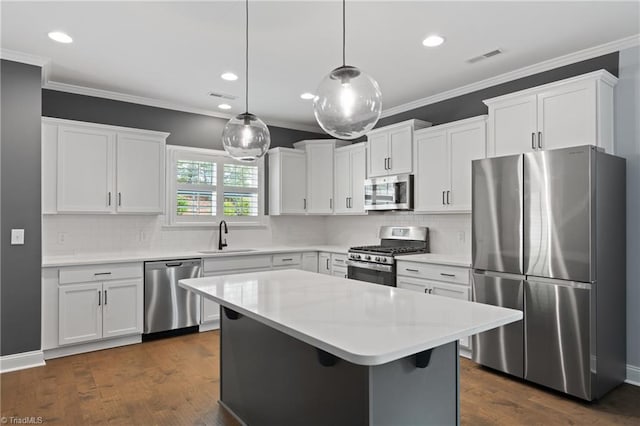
x: 348, y: 102
x: 245, y: 137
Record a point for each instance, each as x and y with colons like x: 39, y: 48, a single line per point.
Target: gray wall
x: 470, y: 104
x: 627, y: 144
x: 187, y: 129
x: 20, y: 207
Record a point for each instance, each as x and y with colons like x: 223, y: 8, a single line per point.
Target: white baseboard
x: 93, y: 346
x: 21, y: 361
x: 633, y: 375
x: 208, y: 326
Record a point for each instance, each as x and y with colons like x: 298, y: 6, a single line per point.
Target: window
x: 206, y: 186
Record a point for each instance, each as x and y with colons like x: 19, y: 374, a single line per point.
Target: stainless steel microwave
x: 389, y: 193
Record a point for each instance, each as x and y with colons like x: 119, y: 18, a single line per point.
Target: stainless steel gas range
x: 377, y: 263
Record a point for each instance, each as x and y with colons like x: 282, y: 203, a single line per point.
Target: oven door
x: 371, y: 272
x: 389, y: 193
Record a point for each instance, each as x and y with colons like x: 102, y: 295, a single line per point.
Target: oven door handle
x: 368, y: 265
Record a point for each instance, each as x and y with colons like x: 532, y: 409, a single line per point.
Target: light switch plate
x: 17, y: 237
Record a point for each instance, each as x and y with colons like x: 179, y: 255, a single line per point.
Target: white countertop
x: 440, y: 259
x: 366, y: 324
x: 101, y: 258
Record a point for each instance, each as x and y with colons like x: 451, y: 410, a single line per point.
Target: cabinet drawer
x: 215, y: 265
x: 286, y: 259
x: 339, y: 260
x: 80, y: 274
x: 431, y: 271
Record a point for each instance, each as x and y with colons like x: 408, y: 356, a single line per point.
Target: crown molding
x: 142, y: 100
x: 25, y: 58
x: 550, y: 64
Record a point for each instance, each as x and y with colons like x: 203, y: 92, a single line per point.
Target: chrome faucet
x: 222, y: 244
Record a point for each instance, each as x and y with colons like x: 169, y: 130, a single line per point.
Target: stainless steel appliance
x: 166, y: 305
x: 376, y: 263
x: 389, y: 193
x: 548, y: 238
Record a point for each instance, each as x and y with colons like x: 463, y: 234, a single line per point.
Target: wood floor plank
x: 176, y: 381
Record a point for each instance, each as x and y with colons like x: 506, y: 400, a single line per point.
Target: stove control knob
x: 383, y: 259
x: 367, y: 257
x: 377, y: 259
x: 356, y: 256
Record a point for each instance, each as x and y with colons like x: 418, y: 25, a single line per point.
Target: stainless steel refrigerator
x: 548, y: 238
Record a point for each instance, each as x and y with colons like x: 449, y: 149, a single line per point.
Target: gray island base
x: 271, y: 378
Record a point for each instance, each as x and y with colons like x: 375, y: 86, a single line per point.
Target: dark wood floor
x: 175, y: 381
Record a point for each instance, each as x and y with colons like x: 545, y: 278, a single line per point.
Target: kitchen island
x: 305, y: 348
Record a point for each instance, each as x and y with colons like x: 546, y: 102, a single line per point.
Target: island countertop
x: 363, y: 323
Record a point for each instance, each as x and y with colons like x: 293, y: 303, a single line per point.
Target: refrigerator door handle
x: 561, y: 283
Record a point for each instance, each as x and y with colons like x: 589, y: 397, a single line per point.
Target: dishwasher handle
x: 173, y: 265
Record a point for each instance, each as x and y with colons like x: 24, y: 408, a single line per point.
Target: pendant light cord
x: 246, y: 59
x: 344, y: 33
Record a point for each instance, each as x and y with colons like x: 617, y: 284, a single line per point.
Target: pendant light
x: 245, y: 137
x: 348, y: 101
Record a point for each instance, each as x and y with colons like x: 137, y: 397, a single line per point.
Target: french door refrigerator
x: 548, y: 238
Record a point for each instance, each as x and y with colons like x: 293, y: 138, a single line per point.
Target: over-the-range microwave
x: 389, y: 193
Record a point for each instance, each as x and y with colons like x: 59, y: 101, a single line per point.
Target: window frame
x: 220, y: 158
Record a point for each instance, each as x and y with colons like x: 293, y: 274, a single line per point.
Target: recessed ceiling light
x: 229, y: 76
x: 224, y: 106
x: 60, y: 37
x: 433, y: 41
x: 307, y: 96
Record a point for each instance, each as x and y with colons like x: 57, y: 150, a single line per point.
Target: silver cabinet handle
x: 99, y: 297
x: 331, y: 203
x: 339, y: 260
x: 447, y: 275
x: 389, y: 162
x: 288, y: 259
x: 350, y: 202
x: 540, y: 140
x: 346, y: 202
x: 448, y: 193
x: 119, y: 198
x: 385, y: 164
x: 102, y: 273
x: 109, y: 198
x: 105, y: 297
x: 304, y: 200
x: 327, y: 263
x: 443, y: 198
x: 533, y: 140
x: 411, y: 270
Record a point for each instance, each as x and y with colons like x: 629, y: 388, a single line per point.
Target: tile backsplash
x: 93, y: 234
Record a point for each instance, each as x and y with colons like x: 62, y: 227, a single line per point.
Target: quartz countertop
x: 101, y: 258
x: 440, y: 259
x: 363, y: 323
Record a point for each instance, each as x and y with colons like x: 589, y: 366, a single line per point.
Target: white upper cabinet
x: 390, y: 148
x: 350, y: 173
x: 319, y: 160
x: 139, y: 173
x: 443, y: 164
x: 94, y: 168
x: 287, y: 181
x: 571, y: 112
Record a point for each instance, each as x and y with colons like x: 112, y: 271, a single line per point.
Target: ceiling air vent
x: 222, y: 95
x: 484, y: 56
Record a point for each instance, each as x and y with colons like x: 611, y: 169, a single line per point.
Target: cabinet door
x: 79, y: 313
x: 567, y: 116
x: 512, y: 126
x: 378, y: 147
x: 342, y: 182
x: 432, y: 177
x: 139, y: 173
x: 412, y: 284
x: 85, y: 170
x: 466, y: 143
x: 210, y: 310
x: 324, y: 263
x: 310, y: 262
x: 339, y: 272
x: 319, y: 178
x: 358, y: 175
x: 400, y: 151
x: 294, y: 183
x: 122, y: 308
x: 455, y: 292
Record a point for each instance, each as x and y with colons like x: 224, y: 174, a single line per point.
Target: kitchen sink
x: 226, y: 251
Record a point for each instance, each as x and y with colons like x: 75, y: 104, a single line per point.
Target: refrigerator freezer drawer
x: 558, y: 336
x: 502, y: 348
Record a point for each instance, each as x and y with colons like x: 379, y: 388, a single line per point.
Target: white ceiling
x: 176, y: 51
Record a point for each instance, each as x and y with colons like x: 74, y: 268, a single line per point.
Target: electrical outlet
x: 17, y: 237
x: 62, y: 238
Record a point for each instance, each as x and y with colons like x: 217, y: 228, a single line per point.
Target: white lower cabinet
x: 339, y: 265
x: 310, y: 261
x: 324, y: 263
x: 418, y: 277
x: 102, y: 308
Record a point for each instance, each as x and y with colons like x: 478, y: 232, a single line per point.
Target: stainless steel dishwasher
x: 166, y: 305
